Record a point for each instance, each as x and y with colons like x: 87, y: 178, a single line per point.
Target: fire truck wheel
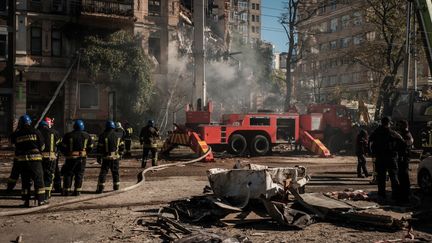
x: 237, y: 144
x: 260, y: 145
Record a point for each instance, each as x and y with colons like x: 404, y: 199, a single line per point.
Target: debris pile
x: 250, y: 194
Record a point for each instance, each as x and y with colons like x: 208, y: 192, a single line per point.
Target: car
x: 424, y: 175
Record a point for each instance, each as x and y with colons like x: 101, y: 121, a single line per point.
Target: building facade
x: 327, y: 71
x: 244, y: 19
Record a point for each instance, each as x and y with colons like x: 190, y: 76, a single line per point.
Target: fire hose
x: 141, y: 180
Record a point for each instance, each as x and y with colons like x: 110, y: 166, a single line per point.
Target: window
x: 333, y: 5
x: 357, y: 18
x: 333, y: 80
x: 323, y: 47
x: 253, y: 29
x: 345, y: 21
x: 257, y: 6
x: 370, y: 36
x: 243, y: 5
x: 88, y: 96
x: 154, y: 7
x: 253, y: 18
x: 253, y: 5
x: 334, y: 25
x: 56, y: 43
x: 333, y: 45
x: 36, y: 41
x: 322, y: 9
x: 345, y: 42
x: 257, y: 18
x: 259, y: 121
x: 358, y: 39
x: 3, y: 46
x: 346, y: 78
x: 154, y: 48
x: 323, y: 27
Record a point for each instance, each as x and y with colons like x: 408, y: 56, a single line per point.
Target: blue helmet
x: 25, y: 120
x: 43, y: 124
x: 109, y: 124
x: 79, y: 125
x: 151, y: 123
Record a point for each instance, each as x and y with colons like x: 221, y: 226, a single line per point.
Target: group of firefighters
x: 37, y: 154
x: 391, y: 150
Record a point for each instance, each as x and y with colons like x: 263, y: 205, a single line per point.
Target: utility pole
x: 199, y: 95
x: 407, y: 46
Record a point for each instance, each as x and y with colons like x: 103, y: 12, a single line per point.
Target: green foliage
x: 119, y: 61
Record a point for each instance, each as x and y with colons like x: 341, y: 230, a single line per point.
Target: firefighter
x: 128, y: 138
x: 28, y: 147
x: 384, y: 144
x: 404, y: 160
x: 361, y: 151
x: 148, y: 138
x: 52, y: 140
x: 119, y: 130
x: 426, y: 137
x: 57, y: 176
x: 75, y: 146
x: 109, y: 149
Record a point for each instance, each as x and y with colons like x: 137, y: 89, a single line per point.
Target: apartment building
x: 244, y: 19
x: 327, y: 70
x: 6, y: 66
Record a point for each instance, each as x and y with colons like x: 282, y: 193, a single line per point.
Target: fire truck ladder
x: 185, y: 137
x: 314, y: 145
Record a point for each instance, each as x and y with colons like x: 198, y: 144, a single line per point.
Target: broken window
x: 154, y: 48
x: 259, y: 121
x: 154, y: 7
x: 56, y: 43
x: 88, y: 96
x: 36, y: 41
x: 3, y: 46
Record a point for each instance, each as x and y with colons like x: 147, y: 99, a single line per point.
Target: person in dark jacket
x: 109, y: 149
x: 361, y: 152
x: 49, y: 155
x: 148, y: 138
x: 384, y: 144
x: 75, y: 146
x: 404, y: 160
x: 29, y: 144
x: 128, y: 138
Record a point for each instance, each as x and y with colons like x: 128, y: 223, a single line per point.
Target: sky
x: 271, y: 30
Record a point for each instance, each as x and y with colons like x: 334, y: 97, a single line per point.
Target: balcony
x: 123, y: 8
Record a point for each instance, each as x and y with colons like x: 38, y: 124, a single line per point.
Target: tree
x: 120, y: 61
x: 296, y: 12
x: 384, y: 50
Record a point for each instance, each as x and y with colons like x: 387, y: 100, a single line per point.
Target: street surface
x: 114, y: 219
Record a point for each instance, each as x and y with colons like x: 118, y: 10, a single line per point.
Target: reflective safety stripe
x: 28, y: 157
x: 78, y: 189
x: 117, y: 183
x: 106, y: 145
x: 26, y: 138
x: 41, y: 191
x: 10, y: 180
x: 52, y: 143
x: 101, y: 184
x: 85, y: 144
x: 24, y: 191
x: 49, y: 155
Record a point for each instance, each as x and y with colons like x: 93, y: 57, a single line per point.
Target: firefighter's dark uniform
x: 14, y: 176
x: 128, y: 139
x: 28, y: 146
x: 75, y: 146
x: 426, y: 139
x: 403, y: 165
x: 109, y: 148
x: 361, y: 151
x: 148, y: 138
x: 52, y: 140
x: 384, y: 145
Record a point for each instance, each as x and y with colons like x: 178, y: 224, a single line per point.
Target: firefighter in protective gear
x: 403, y: 161
x: 426, y: 137
x: 109, y: 149
x: 28, y: 147
x: 384, y: 144
x: 148, y: 138
x: 75, y: 146
x: 119, y: 130
x: 128, y: 138
x: 57, y: 176
x: 49, y: 155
